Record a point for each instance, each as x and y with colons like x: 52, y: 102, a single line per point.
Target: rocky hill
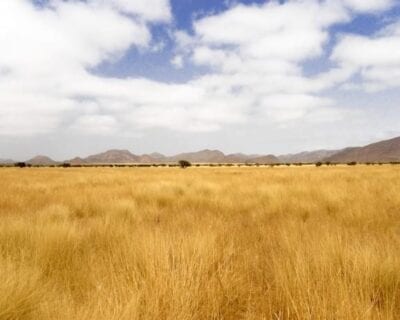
x: 383, y: 151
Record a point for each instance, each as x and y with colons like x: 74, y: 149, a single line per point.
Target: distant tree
x: 184, y: 164
x: 20, y: 164
x: 352, y: 163
x: 66, y: 165
x: 318, y: 164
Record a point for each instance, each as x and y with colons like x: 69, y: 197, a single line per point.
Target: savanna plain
x: 200, y: 243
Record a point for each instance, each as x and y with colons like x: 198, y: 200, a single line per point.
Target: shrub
x: 184, y: 164
x: 352, y: 163
x: 20, y: 164
x: 318, y: 164
x: 144, y: 165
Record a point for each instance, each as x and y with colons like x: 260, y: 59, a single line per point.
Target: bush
x: 20, y: 164
x: 184, y: 164
x: 352, y: 163
x: 318, y: 164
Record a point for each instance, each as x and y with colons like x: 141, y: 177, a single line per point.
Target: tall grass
x: 201, y: 243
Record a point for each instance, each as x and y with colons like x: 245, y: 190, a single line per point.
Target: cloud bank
x: 255, y: 56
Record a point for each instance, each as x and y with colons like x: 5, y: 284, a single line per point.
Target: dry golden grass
x: 201, y: 243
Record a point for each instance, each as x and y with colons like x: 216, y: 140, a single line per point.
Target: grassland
x: 200, y: 243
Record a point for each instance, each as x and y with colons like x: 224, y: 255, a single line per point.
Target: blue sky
x: 249, y: 76
x: 156, y: 65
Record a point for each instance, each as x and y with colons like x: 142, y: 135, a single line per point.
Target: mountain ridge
x: 381, y: 151
x: 307, y: 156
x: 41, y: 160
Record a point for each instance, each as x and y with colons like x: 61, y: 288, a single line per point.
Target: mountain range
x: 203, y: 156
x: 383, y: 151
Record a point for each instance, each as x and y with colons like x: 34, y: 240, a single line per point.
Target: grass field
x: 200, y: 243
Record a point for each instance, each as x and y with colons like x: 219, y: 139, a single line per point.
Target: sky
x: 79, y: 77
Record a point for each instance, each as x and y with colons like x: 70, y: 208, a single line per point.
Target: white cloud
x: 255, y: 55
x: 45, y: 50
x: 375, y: 58
x: 369, y: 5
x: 283, y: 107
x: 96, y: 124
x: 151, y: 10
x: 177, y: 61
x: 72, y: 35
x: 293, y: 31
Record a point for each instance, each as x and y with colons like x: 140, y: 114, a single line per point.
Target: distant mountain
x: 41, y: 161
x: 76, y: 161
x: 7, y: 161
x: 239, y: 157
x: 307, y: 156
x: 152, y: 158
x: 216, y: 156
x: 204, y: 156
x: 157, y: 156
x: 269, y: 159
x: 383, y: 151
x: 111, y: 156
